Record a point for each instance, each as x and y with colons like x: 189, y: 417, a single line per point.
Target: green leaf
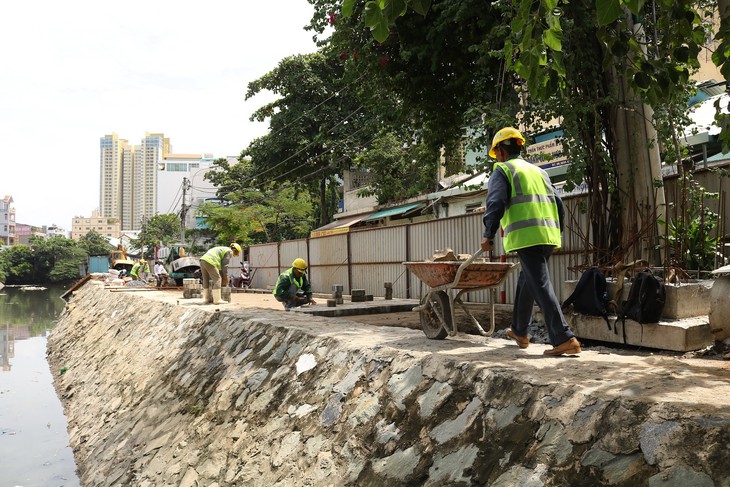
x: 607, y: 11
x: 376, y: 21
x: 635, y: 6
x: 553, y: 40
x: 394, y: 9
x: 681, y: 54
x: 347, y: 7
x: 642, y: 80
x: 421, y: 6
x: 557, y: 64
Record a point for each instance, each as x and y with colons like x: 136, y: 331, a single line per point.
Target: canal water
x: 34, y: 449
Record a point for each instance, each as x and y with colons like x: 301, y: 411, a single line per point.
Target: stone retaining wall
x: 158, y: 394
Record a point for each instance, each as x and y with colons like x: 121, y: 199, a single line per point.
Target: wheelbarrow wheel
x: 437, y: 307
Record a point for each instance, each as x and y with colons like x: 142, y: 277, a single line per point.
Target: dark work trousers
x: 534, y: 285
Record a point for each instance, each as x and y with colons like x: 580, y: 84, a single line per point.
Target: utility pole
x: 183, y: 209
x: 144, y: 224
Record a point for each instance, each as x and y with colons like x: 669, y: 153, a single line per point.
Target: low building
x: 7, y: 221
x: 55, y: 231
x: 108, y: 227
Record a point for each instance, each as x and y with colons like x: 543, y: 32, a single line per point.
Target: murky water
x: 34, y: 449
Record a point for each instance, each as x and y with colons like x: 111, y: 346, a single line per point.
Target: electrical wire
x: 300, y: 150
x: 335, y: 94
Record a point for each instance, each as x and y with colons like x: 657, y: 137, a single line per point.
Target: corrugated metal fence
x: 367, y: 258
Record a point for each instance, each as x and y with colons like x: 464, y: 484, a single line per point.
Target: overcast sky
x: 74, y: 71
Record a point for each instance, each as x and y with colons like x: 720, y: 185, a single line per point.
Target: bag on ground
x: 646, y: 299
x: 590, y: 295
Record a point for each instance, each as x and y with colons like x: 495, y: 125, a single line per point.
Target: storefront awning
x: 338, y: 226
x: 398, y: 210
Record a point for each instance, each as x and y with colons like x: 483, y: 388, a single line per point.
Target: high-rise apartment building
x: 128, y: 178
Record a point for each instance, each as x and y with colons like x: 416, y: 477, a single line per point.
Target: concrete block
x: 331, y: 303
x: 368, y: 297
x: 357, y: 292
x: 676, y: 335
x: 687, y: 299
x: 719, y: 314
x: 189, y: 280
x: 356, y: 298
x: 337, y: 288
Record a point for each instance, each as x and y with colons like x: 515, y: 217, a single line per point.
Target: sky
x: 75, y: 71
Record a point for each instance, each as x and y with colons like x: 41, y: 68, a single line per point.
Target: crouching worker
x: 214, y: 267
x: 293, y: 288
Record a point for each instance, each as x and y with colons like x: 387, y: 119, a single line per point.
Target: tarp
x: 398, y: 210
x: 338, y: 226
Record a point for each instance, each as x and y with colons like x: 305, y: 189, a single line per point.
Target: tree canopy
x: 600, y: 69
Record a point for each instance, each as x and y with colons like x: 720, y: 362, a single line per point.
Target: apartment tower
x: 128, y: 178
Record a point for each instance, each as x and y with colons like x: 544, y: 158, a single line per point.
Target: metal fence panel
x: 263, y: 260
x: 329, y: 263
x: 376, y: 254
x: 379, y: 245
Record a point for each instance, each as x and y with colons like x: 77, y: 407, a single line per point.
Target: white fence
x: 367, y: 258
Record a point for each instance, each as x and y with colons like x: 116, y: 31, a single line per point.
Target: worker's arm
x: 307, y: 288
x: 497, y: 198
x: 282, y: 287
x: 224, y: 267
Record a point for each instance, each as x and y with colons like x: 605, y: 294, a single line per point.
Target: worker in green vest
x: 293, y: 288
x: 214, y: 269
x: 522, y: 199
x: 138, y: 269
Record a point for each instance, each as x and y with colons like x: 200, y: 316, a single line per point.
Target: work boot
x: 207, y: 296
x: 522, y: 342
x: 570, y: 347
x: 217, y: 297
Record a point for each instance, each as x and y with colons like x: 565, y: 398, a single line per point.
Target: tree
x: 434, y: 78
x: 397, y: 171
x: 260, y: 216
x: 16, y: 264
x: 55, y: 259
x: 317, y: 126
x: 94, y: 243
x: 160, y: 229
x: 602, y: 72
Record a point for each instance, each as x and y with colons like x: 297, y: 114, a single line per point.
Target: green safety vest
x: 531, y: 217
x: 215, y: 256
x: 293, y: 281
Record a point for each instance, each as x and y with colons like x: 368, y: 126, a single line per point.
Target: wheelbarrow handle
x: 466, y: 264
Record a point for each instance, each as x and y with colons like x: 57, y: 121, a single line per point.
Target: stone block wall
x: 158, y: 394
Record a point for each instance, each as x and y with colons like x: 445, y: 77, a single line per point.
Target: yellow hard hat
x: 235, y: 248
x: 299, y: 264
x: 142, y: 261
x: 505, y: 134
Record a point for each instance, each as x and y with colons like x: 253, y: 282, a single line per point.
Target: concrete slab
x: 348, y: 308
x: 676, y: 335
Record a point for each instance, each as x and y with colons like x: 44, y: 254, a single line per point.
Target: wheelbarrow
x: 449, y: 281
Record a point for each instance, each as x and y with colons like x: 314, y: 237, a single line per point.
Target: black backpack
x: 645, y: 302
x: 590, y: 295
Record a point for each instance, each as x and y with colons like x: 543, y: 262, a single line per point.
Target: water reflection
x: 36, y: 310
x: 33, y: 429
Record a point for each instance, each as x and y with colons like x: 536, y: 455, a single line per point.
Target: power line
x: 335, y: 94
x: 302, y: 149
